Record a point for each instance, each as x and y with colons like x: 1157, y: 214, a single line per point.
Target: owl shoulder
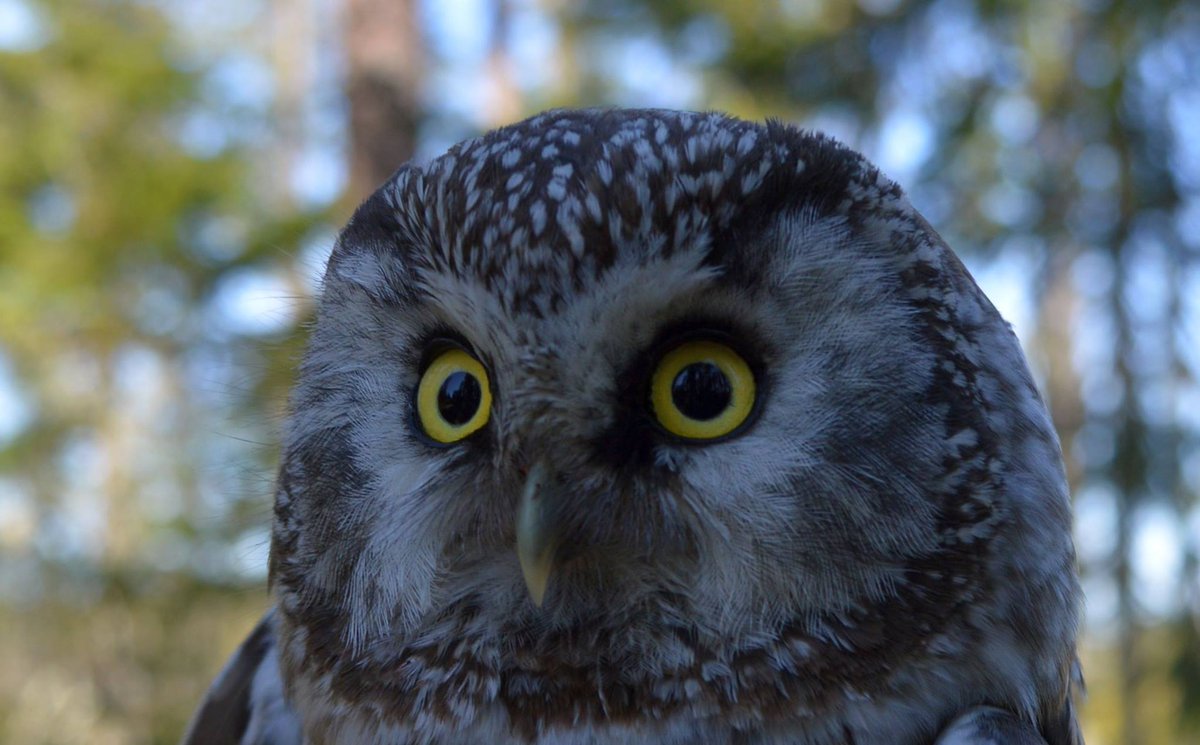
x: 245, y: 704
x: 987, y: 725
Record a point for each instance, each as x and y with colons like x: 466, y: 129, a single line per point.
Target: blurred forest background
x: 172, y: 175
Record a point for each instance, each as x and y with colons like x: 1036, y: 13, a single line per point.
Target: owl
x: 643, y: 426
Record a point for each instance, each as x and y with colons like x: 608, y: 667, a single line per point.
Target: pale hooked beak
x: 537, y: 531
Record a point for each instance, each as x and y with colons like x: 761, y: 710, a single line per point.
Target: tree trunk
x: 384, y: 65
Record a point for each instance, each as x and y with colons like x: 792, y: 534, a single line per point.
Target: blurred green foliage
x: 110, y: 631
x: 136, y: 461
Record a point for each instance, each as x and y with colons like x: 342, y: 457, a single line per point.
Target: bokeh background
x: 172, y: 174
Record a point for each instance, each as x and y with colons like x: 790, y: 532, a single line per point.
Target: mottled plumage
x: 879, y: 553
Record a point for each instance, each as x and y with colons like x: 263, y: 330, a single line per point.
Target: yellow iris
x: 453, y: 397
x: 702, y: 390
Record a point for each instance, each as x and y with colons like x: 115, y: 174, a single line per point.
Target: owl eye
x: 453, y: 397
x: 702, y: 390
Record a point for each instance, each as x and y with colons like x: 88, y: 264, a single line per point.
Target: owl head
x: 622, y: 389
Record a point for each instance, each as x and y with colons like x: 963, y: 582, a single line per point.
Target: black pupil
x: 459, y: 397
x: 701, y: 391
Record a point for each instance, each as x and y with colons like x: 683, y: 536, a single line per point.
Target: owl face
x: 604, y: 374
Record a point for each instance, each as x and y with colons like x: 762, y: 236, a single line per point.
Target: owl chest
x: 778, y: 694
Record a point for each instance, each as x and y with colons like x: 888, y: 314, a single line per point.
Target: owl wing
x: 985, y: 725
x: 245, y: 704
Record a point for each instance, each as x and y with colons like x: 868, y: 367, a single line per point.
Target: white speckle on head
x: 593, y: 207
x: 537, y: 217
x: 746, y: 142
x: 568, y: 223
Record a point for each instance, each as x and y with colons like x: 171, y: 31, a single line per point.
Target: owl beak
x: 537, y: 532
